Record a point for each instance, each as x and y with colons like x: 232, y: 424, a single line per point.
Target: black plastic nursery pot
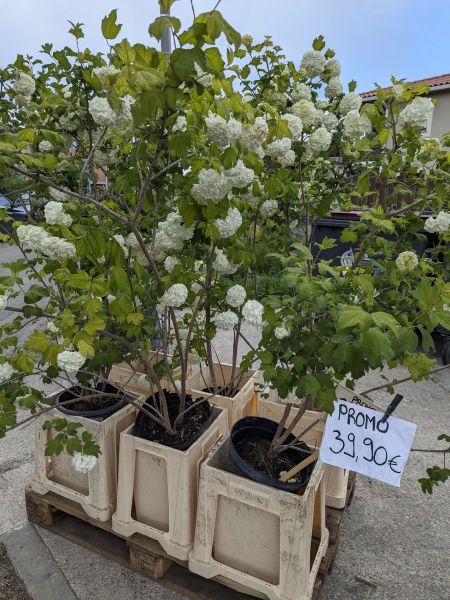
x: 98, y: 414
x: 260, y: 428
x: 173, y: 402
x: 343, y: 253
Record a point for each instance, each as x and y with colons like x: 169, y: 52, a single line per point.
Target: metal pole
x: 166, y: 42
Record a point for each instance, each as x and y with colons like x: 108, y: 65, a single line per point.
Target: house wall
x: 440, y: 123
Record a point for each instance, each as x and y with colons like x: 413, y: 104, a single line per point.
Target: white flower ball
x: 175, y: 296
x: 253, y: 312
x: 407, y: 261
x: 45, y: 146
x: 211, y: 185
x: 55, y: 215
x: 225, y: 320
x: 334, y: 88
x: 24, y: 84
x: 278, y: 148
x: 3, y: 302
x: 439, y: 224
x: 236, y: 295
x: 351, y: 101
x: 301, y: 92
x: 228, y: 226
x: 103, y: 73
x: 222, y: 265
x: 240, y: 176
x: 83, y: 463
x: 319, y: 141
x: 306, y: 111
x: 101, y: 111
x: 416, y: 114
x: 281, y: 332
x: 295, y: 125
x: 356, y: 125
x: 313, y: 62
x: 71, y: 362
x: 6, y: 372
x: 268, y: 208
x: 254, y: 135
x: 170, y: 263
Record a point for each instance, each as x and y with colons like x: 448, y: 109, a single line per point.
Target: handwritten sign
x: 345, y: 393
x: 356, y: 439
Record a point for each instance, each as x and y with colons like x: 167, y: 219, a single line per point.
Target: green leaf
x: 350, y: 316
x: 319, y: 43
x: 161, y: 24
x: 418, y: 365
x: 352, y: 85
x: 76, y: 30
x: 80, y: 281
x: 125, y: 52
x: 73, y: 445
x: 110, y: 27
x: 348, y: 236
x: 166, y: 4
x: 214, y: 60
x: 383, y: 319
x: 25, y: 362
x: 441, y: 317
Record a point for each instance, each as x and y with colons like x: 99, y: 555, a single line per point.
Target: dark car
x: 14, y: 209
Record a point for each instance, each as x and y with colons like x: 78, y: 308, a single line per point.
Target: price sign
x: 356, y: 439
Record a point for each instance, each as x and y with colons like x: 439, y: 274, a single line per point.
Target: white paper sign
x: 355, y: 439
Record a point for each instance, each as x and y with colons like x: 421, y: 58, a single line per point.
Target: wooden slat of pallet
x: 66, y: 518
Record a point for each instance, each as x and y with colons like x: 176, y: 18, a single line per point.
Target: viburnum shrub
x: 216, y: 169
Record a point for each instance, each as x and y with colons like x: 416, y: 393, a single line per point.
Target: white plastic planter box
x: 255, y: 538
x: 243, y: 404
x: 95, y: 491
x: 336, y: 478
x: 157, y: 495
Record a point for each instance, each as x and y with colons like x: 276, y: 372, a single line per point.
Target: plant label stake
x: 301, y: 465
x: 368, y: 441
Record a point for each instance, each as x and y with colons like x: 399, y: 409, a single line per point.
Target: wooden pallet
x: 67, y: 519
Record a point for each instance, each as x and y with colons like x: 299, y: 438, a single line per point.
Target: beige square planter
x: 128, y: 376
x: 243, y: 404
x: 157, y: 494
x: 255, y: 538
x: 336, y: 479
x: 96, y: 490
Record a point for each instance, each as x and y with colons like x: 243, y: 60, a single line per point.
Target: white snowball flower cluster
x: 268, y: 208
x: 6, y: 372
x: 292, y: 398
x: 240, y: 176
x: 417, y: 113
x: 103, y: 73
x: 356, y: 125
x: 171, y: 234
x: 255, y: 134
x: 101, y: 111
x: 228, y: 226
x: 170, y: 263
x: 407, y: 261
x: 313, y: 62
x: 58, y: 195
x: 330, y: 121
x: 236, y: 295
x: 306, y: 111
x: 125, y: 116
x: 281, y: 332
x: 3, y: 302
x: 70, y: 361
x: 83, y: 463
x: 52, y: 327
x: 287, y: 159
x: 295, y: 125
x: 202, y: 77
x: 332, y: 69
x: 221, y: 131
x: 211, y: 186
x: 45, y: 146
x: 55, y: 215
x: 301, y: 92
x: 68, y: 121
x: 175, y: 296
x: 225, y: 320
x: 222, y: 265
x: 278, y: 148
x: 24, y: 84
x: 334, y: 87
x: 37, y: 239
x: 180, y: 124
x: 253, y: 312
x: 351, y: 101
x: 438, y: 224
x: 319, y: 141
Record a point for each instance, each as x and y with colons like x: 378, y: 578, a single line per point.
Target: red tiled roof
x: 431, y: 82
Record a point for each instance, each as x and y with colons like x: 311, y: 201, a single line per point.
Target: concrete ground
x: 397, y: 537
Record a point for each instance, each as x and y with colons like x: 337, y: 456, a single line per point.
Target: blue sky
x: 373, y: 38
